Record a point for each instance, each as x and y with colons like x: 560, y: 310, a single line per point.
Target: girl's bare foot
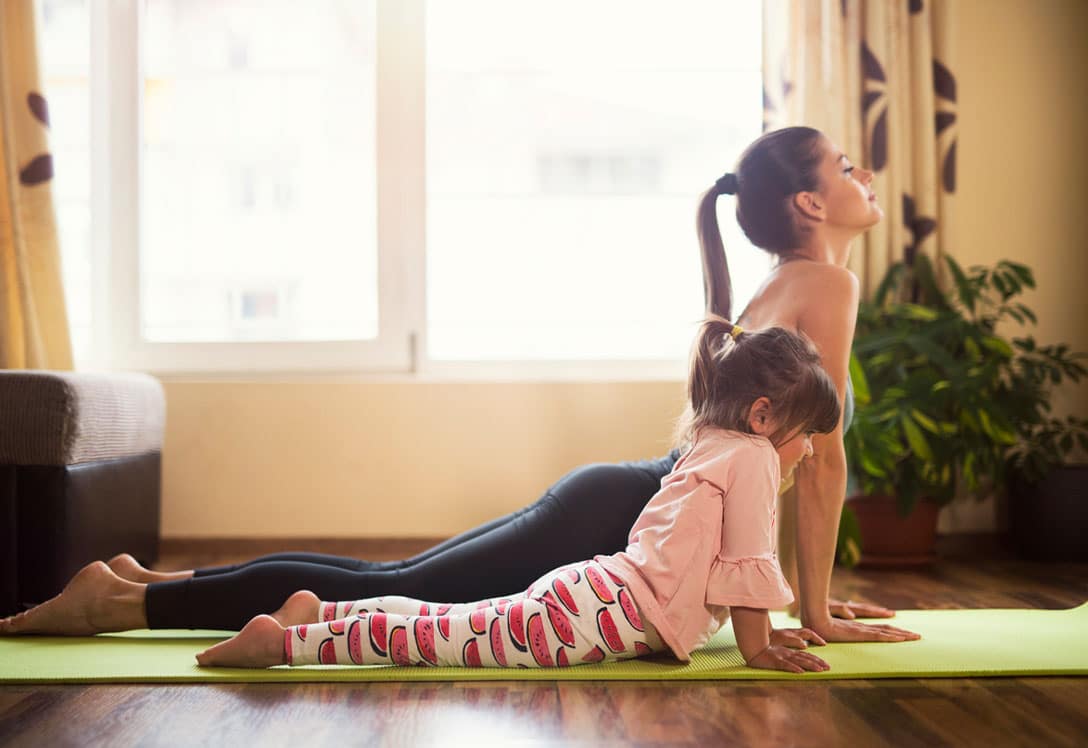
x: 259, y: 644
x: 95, y: 600
x: 302, y: 607
x: 126, y: 567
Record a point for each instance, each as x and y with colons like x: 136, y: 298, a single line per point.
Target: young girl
x: 701, y: 552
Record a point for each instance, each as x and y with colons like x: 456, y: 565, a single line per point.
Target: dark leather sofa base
x: 55, y: 520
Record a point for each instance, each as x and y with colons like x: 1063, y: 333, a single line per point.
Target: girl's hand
x: 837, y: 630
x: 783, y: 658
x: 795, y: 638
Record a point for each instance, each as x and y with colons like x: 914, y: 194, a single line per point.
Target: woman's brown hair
x: 728, y: 374
x: 774, y: 168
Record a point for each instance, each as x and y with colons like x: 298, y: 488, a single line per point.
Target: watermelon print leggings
x: 578, y: 613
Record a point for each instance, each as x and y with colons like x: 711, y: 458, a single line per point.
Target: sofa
x: 80, y: 476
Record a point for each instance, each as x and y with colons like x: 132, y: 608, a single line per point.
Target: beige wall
x: 1023, y: 156
x: 426, y: 459
x: 389, y: 459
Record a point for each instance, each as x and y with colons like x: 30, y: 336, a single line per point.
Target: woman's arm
x: 828, y: 319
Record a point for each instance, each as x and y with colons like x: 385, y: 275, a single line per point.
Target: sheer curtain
x: 33, y: 318
x: 878, y: 77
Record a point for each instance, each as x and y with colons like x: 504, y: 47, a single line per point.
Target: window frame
x: 116, y: 145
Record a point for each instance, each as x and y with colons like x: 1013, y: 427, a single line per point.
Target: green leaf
x: 928, y: 423
x: 998, y: 432
x: 944, y: 384
x: 916, y: 439
x: 1027, y: 313
x: 997, y: 345
x: 972, y: 349
x: 1023, y: 272
x: 862, y: 395
x: 923, y: 313
x: 891, y: 278
x: 963, y: 286
x: 847, y: 544
x: 927, y: 282
x: 871, y: 467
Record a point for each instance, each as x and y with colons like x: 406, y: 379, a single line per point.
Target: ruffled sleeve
x: 748, y: 581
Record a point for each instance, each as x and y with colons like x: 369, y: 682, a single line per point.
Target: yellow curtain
x: 877, y: 76
x: 33, y: 318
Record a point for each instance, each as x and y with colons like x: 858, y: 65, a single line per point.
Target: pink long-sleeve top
x: 706, y: 540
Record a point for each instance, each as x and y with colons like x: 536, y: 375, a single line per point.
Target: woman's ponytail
x: 717, y: 290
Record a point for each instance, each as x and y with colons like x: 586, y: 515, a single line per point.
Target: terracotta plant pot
x: 890, y: 540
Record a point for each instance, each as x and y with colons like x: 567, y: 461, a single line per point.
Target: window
x: 564, y: 160
x: 258, y: 190
x: 390, y: 184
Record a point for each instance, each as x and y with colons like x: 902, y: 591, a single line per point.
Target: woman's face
x: 847, y: 191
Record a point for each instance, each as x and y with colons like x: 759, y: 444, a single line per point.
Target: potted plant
x: 946, y: 405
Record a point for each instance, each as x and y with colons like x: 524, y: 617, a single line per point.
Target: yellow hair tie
x: 737, y: 330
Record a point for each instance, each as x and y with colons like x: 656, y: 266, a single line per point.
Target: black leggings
x: 589, y: 511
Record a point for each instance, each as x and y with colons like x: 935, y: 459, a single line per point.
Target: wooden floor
x: 907, y: 712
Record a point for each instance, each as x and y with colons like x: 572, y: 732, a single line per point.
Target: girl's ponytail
x: 716, y: 334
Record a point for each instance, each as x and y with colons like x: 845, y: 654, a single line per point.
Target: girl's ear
x: 759, y: 417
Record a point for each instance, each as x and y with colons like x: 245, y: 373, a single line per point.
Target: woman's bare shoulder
x: 798, y: 294
x: 821, y: 287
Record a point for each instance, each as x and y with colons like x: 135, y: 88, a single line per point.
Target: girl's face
x: 791, y: 452
x: 847, y: 191
x: 761, y: 421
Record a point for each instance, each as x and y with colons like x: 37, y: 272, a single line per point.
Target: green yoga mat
x: 954, y: 644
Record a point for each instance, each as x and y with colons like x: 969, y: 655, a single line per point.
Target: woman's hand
x: 838, y: 630
x: 795, y: 638
x: 783, y: 658
x: 847, y: 609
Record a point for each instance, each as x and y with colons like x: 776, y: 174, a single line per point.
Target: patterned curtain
x: 877, y: 77
x: 33, y: 317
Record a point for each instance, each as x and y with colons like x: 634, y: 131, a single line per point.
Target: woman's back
x: 794, y: 294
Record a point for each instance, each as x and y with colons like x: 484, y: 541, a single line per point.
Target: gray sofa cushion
x: 68, y: 418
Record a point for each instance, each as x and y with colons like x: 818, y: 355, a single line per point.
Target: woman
x: 798, y: 198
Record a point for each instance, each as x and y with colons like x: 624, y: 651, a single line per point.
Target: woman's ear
x: 759, y: 417
x: 809, y: 205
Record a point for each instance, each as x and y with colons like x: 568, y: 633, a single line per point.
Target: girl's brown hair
x: 729, y: 374
x: 774, y: 168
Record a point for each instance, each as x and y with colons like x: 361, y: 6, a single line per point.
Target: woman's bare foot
x: 95, y: 600
x: 259, y: 644
x: 302, y: 607
x: 126, y: 567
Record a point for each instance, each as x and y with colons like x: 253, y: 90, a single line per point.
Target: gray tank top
x: 848, y: 406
